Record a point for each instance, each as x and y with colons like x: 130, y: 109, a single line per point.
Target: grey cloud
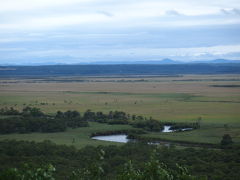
x: 126, y: 27
x: 108, y: 14
x: 233, y: 11
x: 236, y: 11
x: 173, y: 13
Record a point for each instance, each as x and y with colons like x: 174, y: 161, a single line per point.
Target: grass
x: 164, y: 98
x: 164, y: 107
x: 212, y: 135
x: 81, y: 136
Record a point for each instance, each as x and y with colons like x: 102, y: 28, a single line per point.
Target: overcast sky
x: 73, y: 31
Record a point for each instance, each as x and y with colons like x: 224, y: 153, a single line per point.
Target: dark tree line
x: 34, y: 120
x: 120, y: 117
x: 149, y: 125
x: 72, y: 119
x: 31, y: 124
x: 27, y: 111
x: 113, y: 117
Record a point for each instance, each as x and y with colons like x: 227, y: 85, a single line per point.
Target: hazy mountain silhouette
x: 150, y: 62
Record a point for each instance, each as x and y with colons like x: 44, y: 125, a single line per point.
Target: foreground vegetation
x: 153, y: 170
x: 132, y: 159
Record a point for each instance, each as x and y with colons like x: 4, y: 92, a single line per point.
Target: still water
x: 113, y: 138
x: 122, y: 138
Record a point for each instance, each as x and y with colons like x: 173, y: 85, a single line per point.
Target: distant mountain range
x: 170, y: 61
x: 167, y: 61
x: 150, y: 62
x: 218, y: 61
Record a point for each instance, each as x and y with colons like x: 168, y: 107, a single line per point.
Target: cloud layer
x: 93, y: 30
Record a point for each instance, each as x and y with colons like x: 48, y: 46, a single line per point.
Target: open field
x: 174, y: 98
x: 211, y: 134
x: 81, y: 136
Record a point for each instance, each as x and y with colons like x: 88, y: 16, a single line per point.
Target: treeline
x: 31, y: 124
x: 226, y: 85
x: 120, y: 117
x: 32, y: 119
x: 201, y: 162
x: 115, y: 117
x: 27, y: 111
x: 149, y: 125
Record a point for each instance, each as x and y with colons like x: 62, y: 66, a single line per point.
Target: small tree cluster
x: 9, y: 111
x: 226, y: 140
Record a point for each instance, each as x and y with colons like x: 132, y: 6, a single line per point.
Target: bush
x: 149, y: 125
x: 43, y: 173
x: 226, y: 140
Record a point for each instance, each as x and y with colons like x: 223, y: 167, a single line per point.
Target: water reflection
x: 113, y: 138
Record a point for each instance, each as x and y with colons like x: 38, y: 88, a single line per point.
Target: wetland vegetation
x: 137, y: 106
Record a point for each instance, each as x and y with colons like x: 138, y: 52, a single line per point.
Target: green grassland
x: 175, y: 99
x: 161, y: 106
x: 210, y: 134
x: 78, y: 137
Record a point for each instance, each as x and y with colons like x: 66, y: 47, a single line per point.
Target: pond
x: 168, y: 129
x: 122, y: 138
